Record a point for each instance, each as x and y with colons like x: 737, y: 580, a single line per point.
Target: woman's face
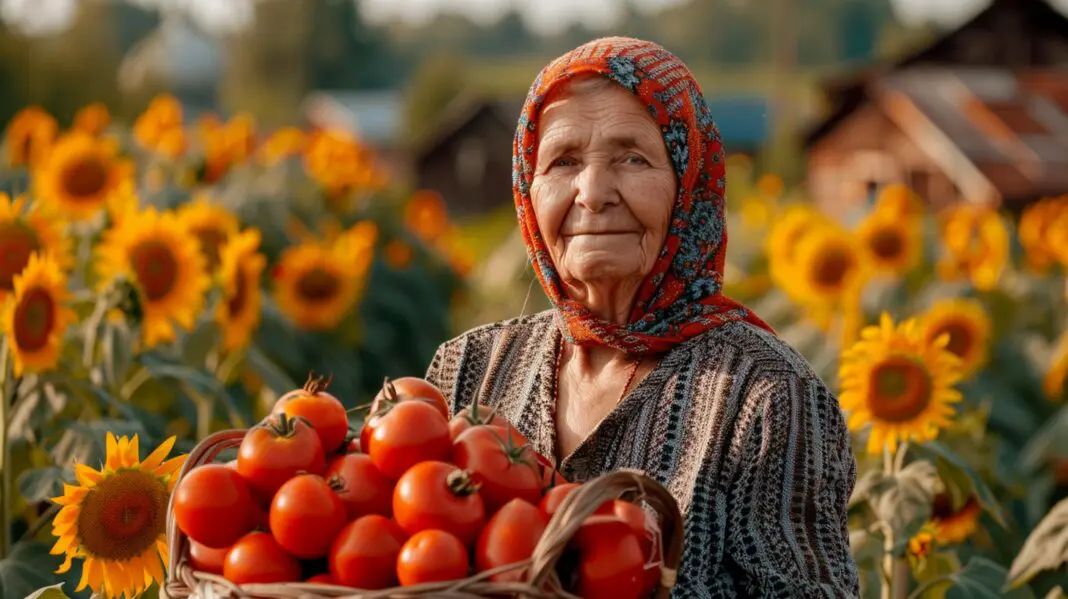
x: 603, y: 186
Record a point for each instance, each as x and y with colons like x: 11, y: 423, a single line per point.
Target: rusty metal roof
x: 1013, y: 127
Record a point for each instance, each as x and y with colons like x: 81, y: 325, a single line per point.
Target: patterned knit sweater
x: 734, y: 423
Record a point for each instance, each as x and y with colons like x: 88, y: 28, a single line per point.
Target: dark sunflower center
x: 960, y: 338
x: 123, y: 515
x: 900, y: 389
x: 17, y: 243
x: 886, y: 243
x: 86, y: 178
x: 211, y: 242
x: 831, y: 267
x: 156, y: 268
x: 236, y: 304
x: 318, y: 285
x: 34, y: 316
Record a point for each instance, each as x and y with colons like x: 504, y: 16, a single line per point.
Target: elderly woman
x: 643, y: 363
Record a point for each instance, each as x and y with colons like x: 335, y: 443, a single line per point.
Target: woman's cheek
x: 550, y: 200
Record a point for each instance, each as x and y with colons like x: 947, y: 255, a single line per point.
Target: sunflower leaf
x: 960, y: 478
x: 273, y: 376
x: 28, y: 568
x: 905, y: 503
x: 52, y: 592
x: 41, y: 484
x: 1046, y: 548
x: 983, y: 579
x: 85, y: 442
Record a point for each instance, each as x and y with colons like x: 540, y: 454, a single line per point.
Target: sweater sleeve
x: 794, y: 470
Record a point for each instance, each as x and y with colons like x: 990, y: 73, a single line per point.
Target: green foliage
x: 28, y: 570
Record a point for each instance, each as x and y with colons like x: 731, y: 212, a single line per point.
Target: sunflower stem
x: 8, y: 387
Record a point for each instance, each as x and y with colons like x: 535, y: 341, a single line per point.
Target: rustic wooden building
x: 978, y: 114
x: 467, y: 157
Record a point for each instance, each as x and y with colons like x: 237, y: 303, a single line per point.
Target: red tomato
x: 502, y: 463
x: 213, y: 506
x: 353, y: 446
x: 472, y: 416
x: 257, y: 557
x: 609, y: 562
x: 509, y: 537
x: 322, y: 410
x: 436, y: 495
x: 412, y: 432
x: 305, y: 515
x: 432, y: 556
x: 364, y: 554
x: 321, y: 579
x: 363, y: 488
x: 642, y: 525
x: 206, y: 559
x: 549, y: 476
x: 408, y: 388
x: 273, y: 452
x: 556, y: 495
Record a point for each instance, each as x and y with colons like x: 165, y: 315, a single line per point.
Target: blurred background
x: 907, y: 157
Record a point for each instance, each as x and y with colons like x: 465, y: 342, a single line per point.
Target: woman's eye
x: 564, y: 162
x: 635, y: 159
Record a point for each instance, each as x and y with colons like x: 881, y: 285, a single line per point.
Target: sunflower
x: 282, y: 144
x: 92, y: 119
x: 115, y: 519
x: 316, y: 284
x: 79, y: 175
x: 339, y: 163
x: 921, y: 544
x: 212, y: 225
x: 238, y: 312
x: 425, y: 215
x: 771, y: 185
x: 781, y: 243
x: 1034, y: 231
x: 757, y: 211
x: 828, y: 267
x: 163, y: 257
x: 1055, y: 381
x: 951, y: 525
x: 976, y: 244
x: 35, y: 321
x: 892, y: 243
x: 967, y: 326
x: 23, y: 234
x: 899, y: 383
x: 164, y: 113
x: 896, y: 199
x: 29, y: 136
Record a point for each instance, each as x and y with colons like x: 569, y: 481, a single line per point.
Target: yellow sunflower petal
x: 87, y: 476
x: 112, y: 444
x: 63, y: 568
x: 132, y: 455
x: 62, y: 544
x: 153, y: 568
x: 171, y: 465
x: 87, y: 567
x: 154, y: 459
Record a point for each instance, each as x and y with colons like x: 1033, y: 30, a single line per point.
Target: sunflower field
x: 946, y: 337
x: 171, y: 278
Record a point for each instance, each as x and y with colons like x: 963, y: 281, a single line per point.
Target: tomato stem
x: 284, y: 425
x: 336, y: 484
x: 316, y: 384
x: 461, y: 483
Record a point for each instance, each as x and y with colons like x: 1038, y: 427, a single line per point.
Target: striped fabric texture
x: 733, y: 422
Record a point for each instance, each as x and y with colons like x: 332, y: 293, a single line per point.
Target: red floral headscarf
x: 682, y: 296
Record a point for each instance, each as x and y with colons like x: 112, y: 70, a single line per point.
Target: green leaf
x: 936, y: 566
x: 1046, y: 548
x: 27, y: 569
x: 983, y: 579
x: 35, y: 404
x: 871, y: 484
x: 86, y: 442
x: 198, y: 343
x: 867, y: 548
x: 905, y: 503
x: 273, y: 377
x: 116, y: 352
x: 42, y: 484
x: 960, y: 477
x: 53, y: 592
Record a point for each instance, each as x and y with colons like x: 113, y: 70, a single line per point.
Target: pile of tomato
x: 415, y: 497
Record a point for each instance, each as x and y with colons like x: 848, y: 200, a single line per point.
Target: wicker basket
x: 543, y: 582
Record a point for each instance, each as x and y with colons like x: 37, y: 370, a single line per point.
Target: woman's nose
x: 596, y: 188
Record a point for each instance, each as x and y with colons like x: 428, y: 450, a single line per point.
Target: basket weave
x: 542, y: 581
